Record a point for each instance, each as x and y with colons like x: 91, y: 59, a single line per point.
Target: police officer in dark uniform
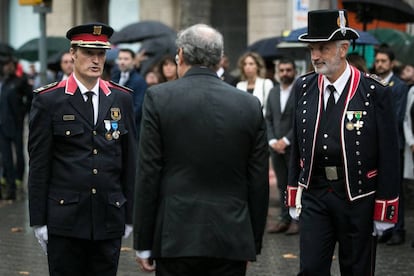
x: 82, y: 148
x: 344, y: 166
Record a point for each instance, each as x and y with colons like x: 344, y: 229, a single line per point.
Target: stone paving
x: 20, y: 253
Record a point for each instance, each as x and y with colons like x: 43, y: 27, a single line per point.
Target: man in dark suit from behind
x: 279, y: 121
x: 202, y: 187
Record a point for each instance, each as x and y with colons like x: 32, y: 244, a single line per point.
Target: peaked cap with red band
x: 93, y: 35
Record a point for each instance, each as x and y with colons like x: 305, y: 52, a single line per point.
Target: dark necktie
x: 89, y: 107
x: 331, y: 100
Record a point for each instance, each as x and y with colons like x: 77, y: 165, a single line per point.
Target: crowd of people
x: 179, y: 156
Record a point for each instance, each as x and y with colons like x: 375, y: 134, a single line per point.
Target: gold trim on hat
x: 91, y: 44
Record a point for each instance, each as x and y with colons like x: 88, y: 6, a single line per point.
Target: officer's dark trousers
x: 327, y: 219
x: 72, y: 256
x: 199, y: 266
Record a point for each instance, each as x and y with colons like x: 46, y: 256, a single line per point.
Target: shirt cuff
x: 143, y: 254
x: 286, y: 141
x: 272, y: 141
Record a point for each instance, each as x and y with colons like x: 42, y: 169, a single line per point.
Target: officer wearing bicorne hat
x: 345, y: 157
x: 82, y: 149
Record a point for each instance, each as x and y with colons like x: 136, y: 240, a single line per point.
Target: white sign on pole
x: 300, y: 13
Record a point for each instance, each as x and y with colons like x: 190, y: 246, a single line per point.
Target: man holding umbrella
x: 345, y: 160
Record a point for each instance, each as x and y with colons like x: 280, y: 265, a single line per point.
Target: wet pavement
x: 20, y: 254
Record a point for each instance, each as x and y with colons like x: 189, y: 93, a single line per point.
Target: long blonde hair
x: 261, y: 68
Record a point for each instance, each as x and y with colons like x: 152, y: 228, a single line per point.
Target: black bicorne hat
x: 328, y: 25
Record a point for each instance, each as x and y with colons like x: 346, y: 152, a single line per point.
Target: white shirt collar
x: 83, y: 89
x: 220, y: 72
x: 340, y: 83
x: 388, y: 77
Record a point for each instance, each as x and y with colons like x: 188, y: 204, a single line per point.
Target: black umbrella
x: 267, y: 47
x: 55, y: 45
x: 140, y: 31
x: 155, y: 49
x: 6, y: 49
x: 396, y: 11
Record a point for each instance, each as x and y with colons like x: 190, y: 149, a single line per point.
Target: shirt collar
x: 388, y: 77
x: 83, y: 89
x: 220, y: 72
x: 340, y: 83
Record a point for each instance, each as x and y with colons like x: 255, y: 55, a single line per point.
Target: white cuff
x: 143, y: 254
x: 286, y: 141
x: 272, y: 141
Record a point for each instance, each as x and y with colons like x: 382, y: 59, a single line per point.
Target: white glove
x: 128, y: 231
x: 381, y: 226
x: 294, y: 212
x: 42, y: 237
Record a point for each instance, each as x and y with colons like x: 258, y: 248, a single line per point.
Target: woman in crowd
x: 253, y: 70
x: 167, y: 69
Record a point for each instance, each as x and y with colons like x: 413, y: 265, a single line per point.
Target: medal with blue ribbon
x: 115, y: 133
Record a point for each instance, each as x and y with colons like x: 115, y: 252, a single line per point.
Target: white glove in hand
x: 293, y: 213
x: 380, y: 227
x: 42, y: 237
x: 128, y: 231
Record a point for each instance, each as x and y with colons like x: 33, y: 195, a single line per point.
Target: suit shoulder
x: 122, y: 88
x: 46, y: 88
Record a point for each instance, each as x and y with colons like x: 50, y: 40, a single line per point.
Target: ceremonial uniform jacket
x: 369, y: 141
x: 81, y: 179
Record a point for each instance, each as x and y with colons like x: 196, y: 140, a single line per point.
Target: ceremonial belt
x: 330, y: 173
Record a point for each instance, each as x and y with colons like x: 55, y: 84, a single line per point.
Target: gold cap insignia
x: 97, y: 30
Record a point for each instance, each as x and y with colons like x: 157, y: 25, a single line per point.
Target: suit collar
x: 200, y: 70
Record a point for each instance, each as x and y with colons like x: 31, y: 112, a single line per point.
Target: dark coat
x: 399, y: 96
x: 370, y: 153
x: 202, y: 187
x: 279, y: 124
x: 15, y: 99
x: 138, y: 85
x: 81, y: 184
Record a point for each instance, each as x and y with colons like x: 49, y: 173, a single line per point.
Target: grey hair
x: 201, y: 45
x: 340, y: 42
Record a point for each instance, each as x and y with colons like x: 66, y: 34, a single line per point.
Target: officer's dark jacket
x: 369, y: 150
x: 80, y: 182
